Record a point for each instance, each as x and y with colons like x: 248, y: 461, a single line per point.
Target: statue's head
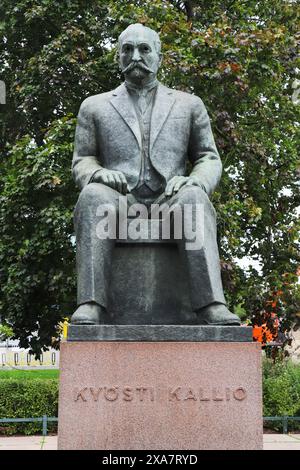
x: 139, y: 53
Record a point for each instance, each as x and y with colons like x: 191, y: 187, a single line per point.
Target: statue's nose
x: 136, y: 55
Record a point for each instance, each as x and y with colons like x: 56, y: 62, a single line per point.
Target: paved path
x: 281, y: 441
x: 28, y: 443
x: 271, y: 442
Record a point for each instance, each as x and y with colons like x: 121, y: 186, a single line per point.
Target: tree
x: 239, y: 57
x: 6, y: 332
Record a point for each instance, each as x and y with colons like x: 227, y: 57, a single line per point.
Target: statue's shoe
x: 217, y: 314
x: 87, y: 314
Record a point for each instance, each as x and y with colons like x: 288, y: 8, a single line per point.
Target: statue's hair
x: 139, y: 25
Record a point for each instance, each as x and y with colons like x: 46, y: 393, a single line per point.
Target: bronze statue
x: 134, y: 142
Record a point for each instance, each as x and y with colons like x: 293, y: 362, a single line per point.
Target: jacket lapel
x: 163, y: 104
x: 122, y: 103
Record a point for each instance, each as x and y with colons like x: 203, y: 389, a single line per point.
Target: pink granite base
x: 124, y: 395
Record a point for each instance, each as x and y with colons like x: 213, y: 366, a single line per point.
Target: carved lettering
x: 190, y: 395
x: 201, y: 395
x: 111, y: 394
x: 215, y: 396
x: 173, y: 394
x: 127, y: 392
x: 141, y: 391
x: 240, y: 394
x: 142, y: 394
x: 95, y: 392
x: 80, y: 394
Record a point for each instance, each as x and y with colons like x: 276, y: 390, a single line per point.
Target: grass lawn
x: 29, y: 374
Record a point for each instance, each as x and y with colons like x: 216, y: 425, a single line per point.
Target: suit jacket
x: 108, y: 135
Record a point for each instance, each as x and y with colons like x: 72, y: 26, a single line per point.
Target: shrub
x: 281, y: 391
x: 21, y: 398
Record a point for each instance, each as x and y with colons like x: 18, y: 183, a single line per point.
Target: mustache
x: 138, y: 65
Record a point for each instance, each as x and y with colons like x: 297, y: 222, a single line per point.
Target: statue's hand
x: 178, y: 182
x: 113, y: 178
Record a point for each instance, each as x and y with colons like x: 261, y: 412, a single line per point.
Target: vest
x: 150, y: 181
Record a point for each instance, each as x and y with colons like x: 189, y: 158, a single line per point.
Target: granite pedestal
x: 155, y: 391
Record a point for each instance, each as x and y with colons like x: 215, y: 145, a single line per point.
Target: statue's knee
x: 95, y: 193
x: 192, y: 194
x: 94, y: 196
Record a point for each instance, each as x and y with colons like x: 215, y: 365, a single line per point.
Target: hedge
x: 281, y: 392
x: 21, y: 398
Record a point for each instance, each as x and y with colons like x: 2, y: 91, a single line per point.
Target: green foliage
x: 37, y: 265
x: 27, y: 399
x: 281, y: 390
x: 239, y: 57
x: 29, y: 374
x: 6, y: 332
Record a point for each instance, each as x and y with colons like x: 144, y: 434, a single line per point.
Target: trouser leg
x: 93, y: 253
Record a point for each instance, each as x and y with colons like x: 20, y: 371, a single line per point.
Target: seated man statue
x: 134, y: 142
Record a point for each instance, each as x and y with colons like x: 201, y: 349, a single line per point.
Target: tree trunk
x: 189, y: 9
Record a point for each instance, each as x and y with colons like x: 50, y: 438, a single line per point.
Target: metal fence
x: 24, y: 359
x: 44, y: 420
x: 284, y: 421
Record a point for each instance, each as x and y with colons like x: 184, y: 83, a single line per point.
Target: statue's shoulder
x: 94, y: 101
x: 186, y: 98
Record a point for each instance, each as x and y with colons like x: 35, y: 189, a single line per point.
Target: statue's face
x: 139, y: 58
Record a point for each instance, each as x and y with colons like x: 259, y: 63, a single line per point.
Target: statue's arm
x: 203, y: 153
x: 85, y: 163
